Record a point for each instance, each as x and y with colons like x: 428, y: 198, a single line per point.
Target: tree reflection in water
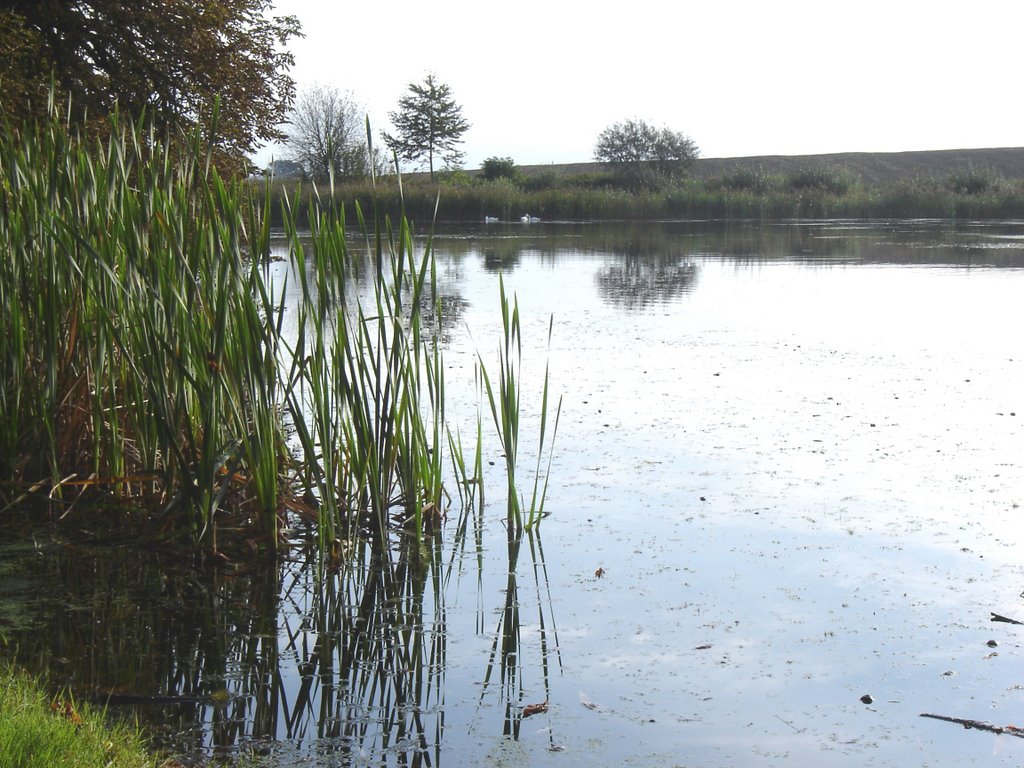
x: 634, y: 282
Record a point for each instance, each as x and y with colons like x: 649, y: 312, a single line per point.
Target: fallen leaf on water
x: 535, y: 709
x: 702, y: 647
x: 599, y: 573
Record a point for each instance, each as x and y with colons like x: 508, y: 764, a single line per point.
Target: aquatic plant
x: 504, y: 403
x: 153, y: 369
x: 869, y: 186
x: 146, y: 360
x: 974, y: 181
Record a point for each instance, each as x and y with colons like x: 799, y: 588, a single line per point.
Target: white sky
x: 539, y: 79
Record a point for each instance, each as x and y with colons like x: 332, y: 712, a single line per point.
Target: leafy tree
x: 283, y: 169
x: 428, y: 123
x: 170, y: 60
x: 836, y: 181
x: 499, y: 168
x: 644, y: 155
x: 327, y: 136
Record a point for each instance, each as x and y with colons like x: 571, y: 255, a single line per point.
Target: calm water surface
x: 794, y: 452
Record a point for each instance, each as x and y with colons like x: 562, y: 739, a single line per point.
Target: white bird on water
x: 528, y: 219
x: 490, y: 219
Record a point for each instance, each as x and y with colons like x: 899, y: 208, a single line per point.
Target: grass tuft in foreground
x: 37, y: 730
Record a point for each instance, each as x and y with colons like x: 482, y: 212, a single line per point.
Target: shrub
x: 748, y: 180
x: 540, y: 181
x: 456, y: 177
x: 832, y: 180
x: 499, y: 168
x: 974, y: 181
x: 645, y: 157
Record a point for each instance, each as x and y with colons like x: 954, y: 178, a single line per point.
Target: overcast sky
x: 539, y: 79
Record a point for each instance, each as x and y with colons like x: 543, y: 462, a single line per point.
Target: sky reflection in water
x: 798, y: 464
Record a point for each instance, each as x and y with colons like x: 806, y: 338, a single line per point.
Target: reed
x: 147, y: 361
x: 161, y: 366
x: 504, y: 401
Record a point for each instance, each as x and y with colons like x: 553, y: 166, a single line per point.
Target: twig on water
x: 1009, y: 730
x: 997, y: 617
x: 797, y: 730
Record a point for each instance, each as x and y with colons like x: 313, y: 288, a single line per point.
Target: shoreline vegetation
x: 146, y: 373
x: 953, y: 184
x: 39, y: 729
x: 158, y: 366
x: 166, y: 382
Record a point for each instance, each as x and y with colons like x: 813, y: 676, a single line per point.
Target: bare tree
x: 327, y: 135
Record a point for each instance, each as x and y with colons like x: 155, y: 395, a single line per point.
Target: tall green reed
x: 147, y: 359
x: 504, y: 401
x: 158, y: 359
x: 368, y: 404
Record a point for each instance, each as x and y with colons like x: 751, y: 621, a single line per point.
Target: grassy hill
x: 869, y: 167
x: 952, y: 184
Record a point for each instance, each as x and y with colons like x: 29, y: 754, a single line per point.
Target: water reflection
x: 503, y: 260
x: 636, y: 282
x: 507, y: 649
x: 838, y: 242
x: 320, y: 657
x: 216, y: 660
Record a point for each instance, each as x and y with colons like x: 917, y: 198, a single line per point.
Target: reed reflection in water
x: 309, y: 657
x: 505, y: 655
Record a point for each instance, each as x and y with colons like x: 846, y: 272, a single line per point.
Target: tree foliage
x: 327, y: 135
x: 428, y: 123
x: 171, y: 60
x: 645, y: 155
x: 499, y: 168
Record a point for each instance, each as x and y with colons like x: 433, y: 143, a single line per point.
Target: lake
x: 783, y: 506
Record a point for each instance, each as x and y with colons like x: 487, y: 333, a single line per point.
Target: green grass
x: 37, y: 730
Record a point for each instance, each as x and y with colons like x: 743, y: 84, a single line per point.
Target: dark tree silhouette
x: 643, y: 155
x: 170, y: 60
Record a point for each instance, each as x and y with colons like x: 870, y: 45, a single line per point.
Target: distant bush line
x: 745, y: 193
